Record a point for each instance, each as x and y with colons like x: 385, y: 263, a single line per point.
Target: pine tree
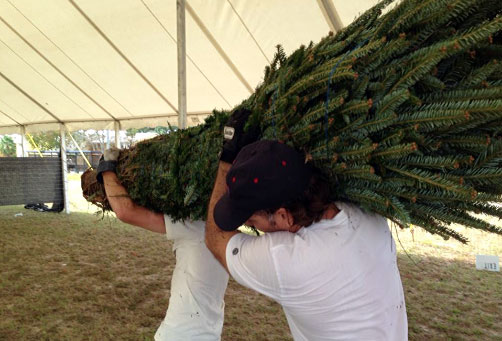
x: 402, y: 111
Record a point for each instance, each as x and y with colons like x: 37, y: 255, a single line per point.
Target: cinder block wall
x: 29, y: 180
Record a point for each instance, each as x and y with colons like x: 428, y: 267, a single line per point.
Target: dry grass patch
x: 80, y: 277
x: 447, y: 298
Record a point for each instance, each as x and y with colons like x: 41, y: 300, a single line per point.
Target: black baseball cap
x: 265, y: 175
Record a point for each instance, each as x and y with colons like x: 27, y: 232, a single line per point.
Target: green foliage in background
x: 158, y: 129
x: 7, y: 146
x: 47, y: 140
x: 403, y: 112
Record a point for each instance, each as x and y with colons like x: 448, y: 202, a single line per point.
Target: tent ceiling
x: 88, y: 63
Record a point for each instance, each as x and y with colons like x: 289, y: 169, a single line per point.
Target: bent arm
x: 126, y: 210
x: 217, y: 239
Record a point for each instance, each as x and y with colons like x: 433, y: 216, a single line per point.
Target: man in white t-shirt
x: 198, y: 284
x: 330, y: 265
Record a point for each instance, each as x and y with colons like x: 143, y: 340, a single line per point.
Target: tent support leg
x: 64, y: 168
x: 23, y: 141
x: 182, y: 77
x: 117, y: 134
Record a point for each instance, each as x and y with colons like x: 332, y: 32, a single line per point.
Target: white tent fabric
x: 91, y: 63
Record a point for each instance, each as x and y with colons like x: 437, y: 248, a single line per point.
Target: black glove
x: 107, y: 163
x: 235, y: 137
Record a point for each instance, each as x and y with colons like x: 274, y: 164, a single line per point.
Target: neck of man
x: 330, y: 212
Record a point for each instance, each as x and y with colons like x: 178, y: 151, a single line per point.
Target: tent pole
x: 117, y: 134
x: 182, y: 77
x: 23, y: 140
x: 64, y: 166
x: 331, y: 15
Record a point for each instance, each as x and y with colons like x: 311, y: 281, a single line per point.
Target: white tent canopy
x: 102, y: 63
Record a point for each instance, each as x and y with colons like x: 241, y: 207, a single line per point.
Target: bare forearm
x: 216, y: 239
x: 116, y: 193
x: 126, y: 210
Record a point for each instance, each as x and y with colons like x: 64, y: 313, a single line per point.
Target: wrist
x: 228, y: 156
x: 105, y: 166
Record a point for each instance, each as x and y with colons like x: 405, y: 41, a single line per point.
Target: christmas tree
x: 402, y: 111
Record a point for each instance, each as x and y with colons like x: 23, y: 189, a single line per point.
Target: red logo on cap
x: 284, y: 163
x: 233, y: 179
x: 255, y: 180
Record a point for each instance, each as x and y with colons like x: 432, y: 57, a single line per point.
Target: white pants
x: 196, y: 305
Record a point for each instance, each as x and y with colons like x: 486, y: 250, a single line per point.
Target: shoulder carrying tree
x: 402, y: 111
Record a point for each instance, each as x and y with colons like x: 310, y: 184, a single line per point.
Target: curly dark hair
x: 309, y: 207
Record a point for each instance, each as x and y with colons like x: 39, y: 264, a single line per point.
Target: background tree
x: 79, y: 136
x: 47, y: 140
x: 158, y: 129
x: 86, y: 140
x: 7, y: 146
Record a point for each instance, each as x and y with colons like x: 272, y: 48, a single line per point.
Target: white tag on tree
x: 228, y: 133
x: 486, y: 262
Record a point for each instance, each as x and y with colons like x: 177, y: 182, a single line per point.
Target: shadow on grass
x: 82, y: 277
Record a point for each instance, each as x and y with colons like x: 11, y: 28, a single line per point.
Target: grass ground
x: 85, y: 277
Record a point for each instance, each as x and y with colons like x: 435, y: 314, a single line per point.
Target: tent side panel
x: 30, y: 180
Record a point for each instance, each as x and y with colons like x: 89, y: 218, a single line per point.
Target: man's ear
x: 283, y: 219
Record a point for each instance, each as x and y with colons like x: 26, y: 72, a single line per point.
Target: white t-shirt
x: 198, y: 284
x: 336, y: 279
